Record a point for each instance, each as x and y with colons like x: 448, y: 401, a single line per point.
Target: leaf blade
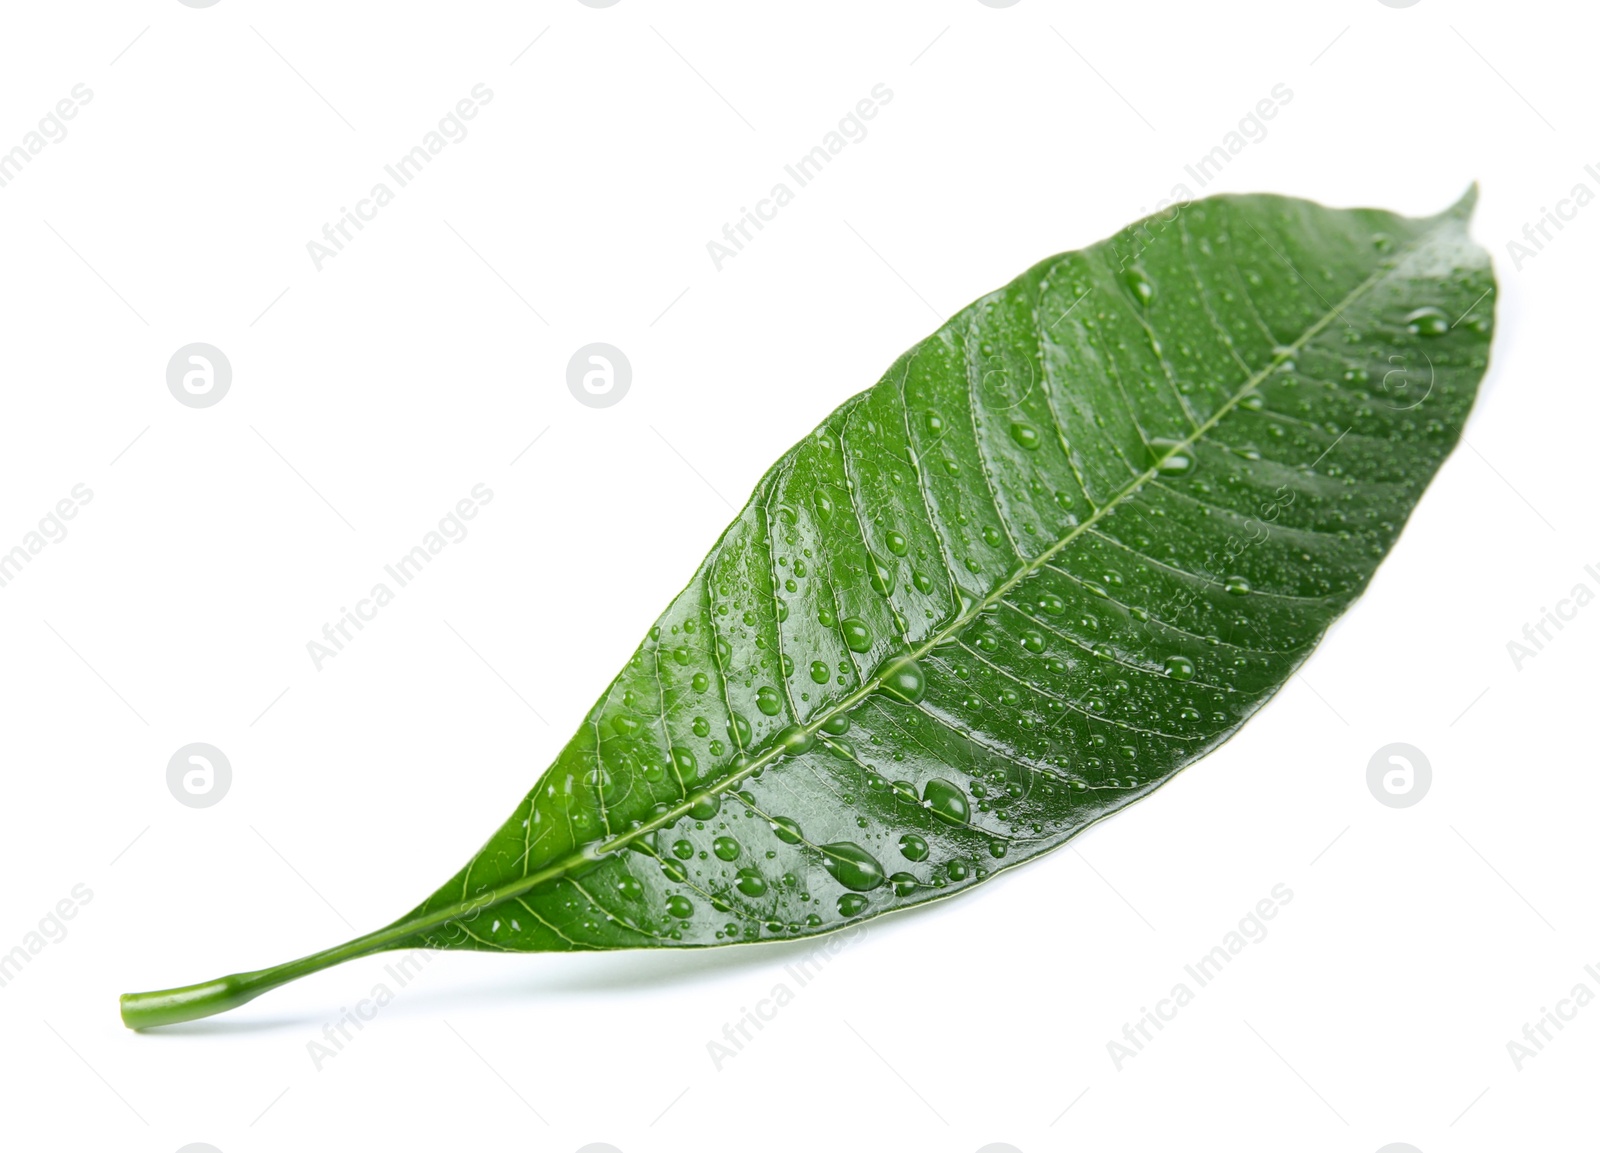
x: 867, y: 598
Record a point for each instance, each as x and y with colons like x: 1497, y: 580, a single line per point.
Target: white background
x: 370, y: 396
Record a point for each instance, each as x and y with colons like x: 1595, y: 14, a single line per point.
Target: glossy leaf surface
x: 1068, y: 544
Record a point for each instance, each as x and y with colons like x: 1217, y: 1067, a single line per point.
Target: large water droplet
x: 768, y: 700
x: 852, y: 866
x: 1236, y: 586
x: 705, y: 806
x: 794, y: 740
x: 895, y: 543
x: 857, y: 636
x: 903, y: 680
x: 1180, y: 668
x: 1172, y: 457
x: 851, y: 903
x: 750, y: 882
x: 1139, y: 284
x: 1428, y: 321
x: 680, y: 907
x: 946, y: 801
x: 786, y: 830
x: 913, y: 847
x: 881, y: 578
x: 837, y: 725
x: 726, y: 848
x: 1026, y: 436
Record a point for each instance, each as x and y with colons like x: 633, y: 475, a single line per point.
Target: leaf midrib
x: 599, y: 849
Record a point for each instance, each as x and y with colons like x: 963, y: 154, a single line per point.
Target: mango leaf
x: 1066, y: 546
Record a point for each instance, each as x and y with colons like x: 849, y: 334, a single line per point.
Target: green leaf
x: 1067, y: 545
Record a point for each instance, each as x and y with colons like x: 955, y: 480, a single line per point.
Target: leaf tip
x: 1469, y: 200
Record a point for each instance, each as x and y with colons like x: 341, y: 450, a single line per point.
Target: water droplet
x: 1427, y: 321
x: 1172, y: 457
x: 895, y: 543
x: 786, y: 830
x: 837, y: 725
x: 857, y: 636
x: 685, y: 761
x: 1052, y: 604
x: 739, y: 731
x: 768, y: 700
x: 1033, y: 641
x: 819, y: 672
x: 674, y: 871
x: 1180, y: 668
x: 1139, y: 284
x: 682, y: 850
x: 852, y: 866
x: 946, y: 801
x: 904, y: 884
x: 794, y: 740
x: 1236, y: 586
x: 750, y: 882
x: 726, y: 848
x: 680, y: 907
x: 903, y: 680
x: 881, y: 578
x: 851, y: 903
x: 913, y: 847
x: 701, y: 682
x: 1026, y: 435
x: 705, y: 806
x: 630, y: 887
